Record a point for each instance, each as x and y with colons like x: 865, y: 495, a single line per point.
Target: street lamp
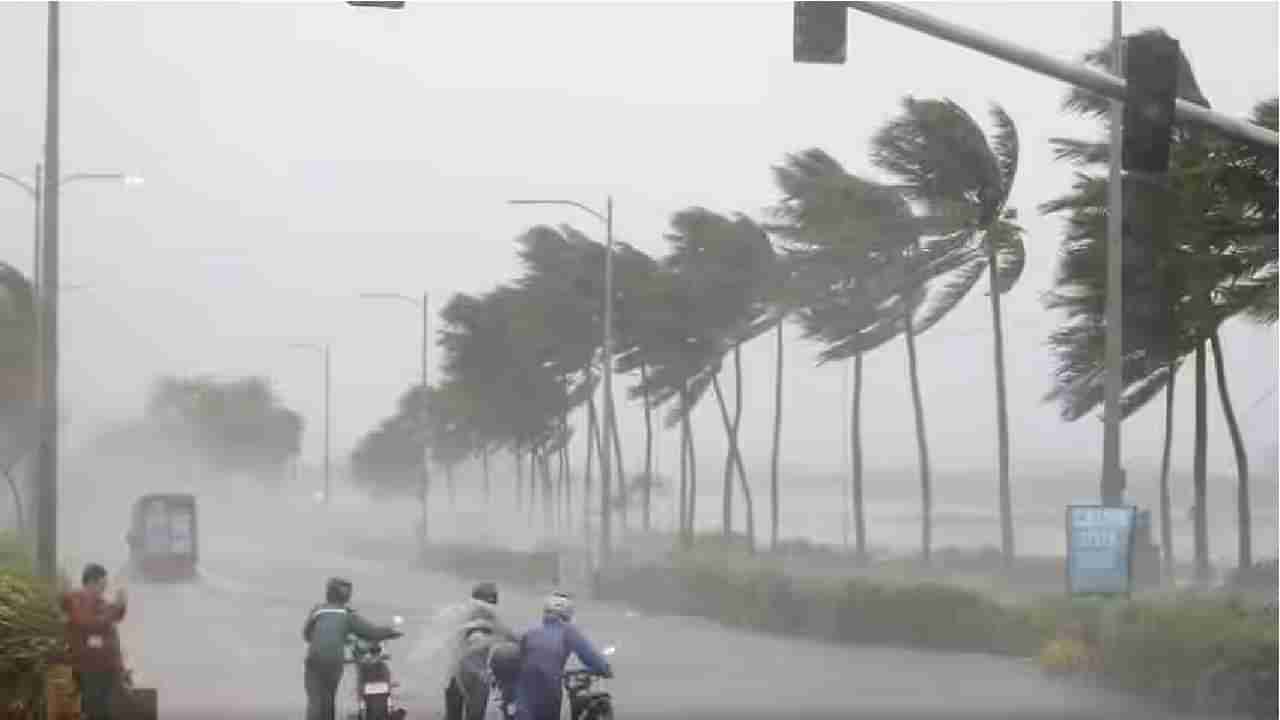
x: 324, y: 352
x: 424, y: 305
x: 607, y: 348
x: 33, y: 188
x: 45, y: 190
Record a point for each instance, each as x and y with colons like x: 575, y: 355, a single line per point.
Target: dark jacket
x: 91, y: 631
x: 328, y: 627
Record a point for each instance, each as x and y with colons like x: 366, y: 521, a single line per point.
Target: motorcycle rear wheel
x: 375, y: 708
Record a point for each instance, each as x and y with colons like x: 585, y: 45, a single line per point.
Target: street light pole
x: 607, y: 426
x: 324, y: 352
x: 425, y: 305
x: 47, y: 456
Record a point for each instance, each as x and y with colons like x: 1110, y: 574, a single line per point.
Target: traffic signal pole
x: 1112, y: 485
x: 1075, y: 74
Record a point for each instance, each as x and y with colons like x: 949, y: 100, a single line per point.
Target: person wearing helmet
x: 325, y: 631
x: 544, y: 650
x: 467, y: 695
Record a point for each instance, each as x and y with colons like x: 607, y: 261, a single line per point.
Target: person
x: 467, y: 695
x: 326, y: 631
x: 94, y: 642
x: 544, y: 651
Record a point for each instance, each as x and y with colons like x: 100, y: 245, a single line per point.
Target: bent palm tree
x: 944, y: 161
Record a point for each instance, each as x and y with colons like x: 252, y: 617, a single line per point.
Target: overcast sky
x: 295, y: 155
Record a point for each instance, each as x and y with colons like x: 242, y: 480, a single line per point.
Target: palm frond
x: 1005, y: 147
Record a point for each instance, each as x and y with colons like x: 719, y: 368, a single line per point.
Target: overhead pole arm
x: 1073, y: 73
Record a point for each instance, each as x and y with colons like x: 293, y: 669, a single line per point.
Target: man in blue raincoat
x: 544, y: 651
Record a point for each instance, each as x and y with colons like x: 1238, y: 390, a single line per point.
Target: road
x: 229, y: 646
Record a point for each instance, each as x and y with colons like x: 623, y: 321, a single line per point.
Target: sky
x: 296, y: 155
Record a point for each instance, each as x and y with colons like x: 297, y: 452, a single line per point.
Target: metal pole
x: 1111, y: 491
x: 328, y: 487
x: 426, y: 419
x: 47, y: 459
x: 35, y: 236
x: 606, y: 524
x: 1079, y: 75
x: 37, y: 283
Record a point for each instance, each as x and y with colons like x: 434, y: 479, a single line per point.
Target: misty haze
x: 778, y: 337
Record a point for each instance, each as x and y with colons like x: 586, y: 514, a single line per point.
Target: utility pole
x: 425, y: 306
x: 328, y: 429
x: 47, y: 456
x: 607, y: 427
x: 426, y: 419
x: 1112, y: 489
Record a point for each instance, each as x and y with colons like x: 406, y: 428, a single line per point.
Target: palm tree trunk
x: 648, y: 448
x: 548, y: 494
x: 777, y: 439
x: 484, y: 461
x: 1166, y: 512
x: 568, y: 501
x: 726, y: 496
x: 17, y: 503
x: 533, y: 485
x: 1002, y: 416
x: 855, y: 442
x: 691, y: 466
x: 737, y: 448
x: 693, y: 486
x: 922, y: 444
x: 684, y: 477
x: 592, y: 446
x: 1244, y: 520
x: 619, y: 474
x: 1200, y: 472
x: 519, y: 461
x: 448, y: 478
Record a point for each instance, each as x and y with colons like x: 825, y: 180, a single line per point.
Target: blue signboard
x: 1100, y: 549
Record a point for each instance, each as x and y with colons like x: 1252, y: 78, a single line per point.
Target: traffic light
x: 1151, y: 64
x: 820, y: 32
x: 389, y: 4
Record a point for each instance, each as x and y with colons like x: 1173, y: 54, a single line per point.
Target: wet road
x: 229, y: 646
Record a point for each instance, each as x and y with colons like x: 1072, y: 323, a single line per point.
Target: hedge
x: 1190, y: 652
x: 529, y: 569
x: 31, y: 631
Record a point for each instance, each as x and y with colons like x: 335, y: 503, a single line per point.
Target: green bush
x: 1194, y: 653
x: 31, y: 638
x: 14, y: 554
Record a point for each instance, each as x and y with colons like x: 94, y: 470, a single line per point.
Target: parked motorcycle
x: 375, y: 690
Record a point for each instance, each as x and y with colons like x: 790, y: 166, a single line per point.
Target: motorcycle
x: 375, y: 696
x: 588, y: 696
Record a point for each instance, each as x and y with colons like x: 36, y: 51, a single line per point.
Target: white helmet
x: 559, y: 604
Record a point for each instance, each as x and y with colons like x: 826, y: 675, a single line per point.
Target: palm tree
x: 729, y: 261
x: 17, y: 376
x: 945, y: 162
x: 851, y: 245
x: 636, y: 309
x: 679, y: 347
x: 1216, y: 260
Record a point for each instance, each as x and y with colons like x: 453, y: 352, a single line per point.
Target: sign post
x: 1100, y: 542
